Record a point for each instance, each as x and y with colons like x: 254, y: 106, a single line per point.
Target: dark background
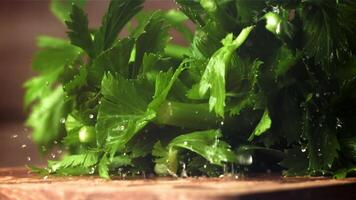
x: 21, y: 21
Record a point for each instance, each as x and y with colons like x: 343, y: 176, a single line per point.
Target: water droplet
x: 244, y: 159
x: 222, y: 123
x: 183, y: 174
x: 91, y: 116
x: 185, y: 143
x: 14, y: 136
x: 121, y: 128
x: 224, y: 169
x: 99, y: 102
x: 23, y: 146
x: 91, y: 170
x: 28, y: 158
x: 338, y: 123
x: 119, y: 171
x: 62, y: 120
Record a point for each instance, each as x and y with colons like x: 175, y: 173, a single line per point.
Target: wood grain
x: 17, y: 183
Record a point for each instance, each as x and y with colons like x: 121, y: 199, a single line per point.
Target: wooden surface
x: 17, y: 183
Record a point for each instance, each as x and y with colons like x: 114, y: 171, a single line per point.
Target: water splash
x: 184, y: 174
x: 91, y: 170
x: 62, y: 120
x: 14, y: 136
x: 53, y: 155
x: 338, y: 123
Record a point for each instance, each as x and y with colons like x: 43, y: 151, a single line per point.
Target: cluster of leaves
x: 270, y: 80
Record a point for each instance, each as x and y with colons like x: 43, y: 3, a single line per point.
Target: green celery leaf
x: 72, y: 125
x: 123, y: 109
x: 296, y: 162
x: 204, y: 143
x: 153, y: 64
x: 192, y: 9
x: 166, y: 162
x: 78, y: 30
x: 40, y: 86
x: 262, y: 126
x: 177, y: 20
x: 54, y: 54
x: 207, y: 40
x: 342, y: 173
x: 325, y: 30
x: 152, y: 40
x: 61, y: 8
x: 119, y: 161
x: 176, y: 51
x: 85, y: 160
x: 323, y: 145
x: 348, y: 147
x: 46, y: 118
x: 115, y: 60
x: 73, y: 79
x: 249, y: 12
x: 214, y: 75
x: 51, y: 106
x: 118, y: 14
x: 103, y: 167
x: 284, y: 61
x: 163, y: 85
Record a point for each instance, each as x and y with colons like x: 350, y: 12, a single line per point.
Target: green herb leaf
x: 118, y: 14
x: 152, y: 40
x: 262, y: 126
x: 46, y: 117
x: 214, y: 75
x: 61, y: 8
x: 79, y: 33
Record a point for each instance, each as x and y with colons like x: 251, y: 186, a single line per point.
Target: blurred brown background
x: 21, y: 21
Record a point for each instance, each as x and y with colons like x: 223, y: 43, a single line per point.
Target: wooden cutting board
x: 17, y: 183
